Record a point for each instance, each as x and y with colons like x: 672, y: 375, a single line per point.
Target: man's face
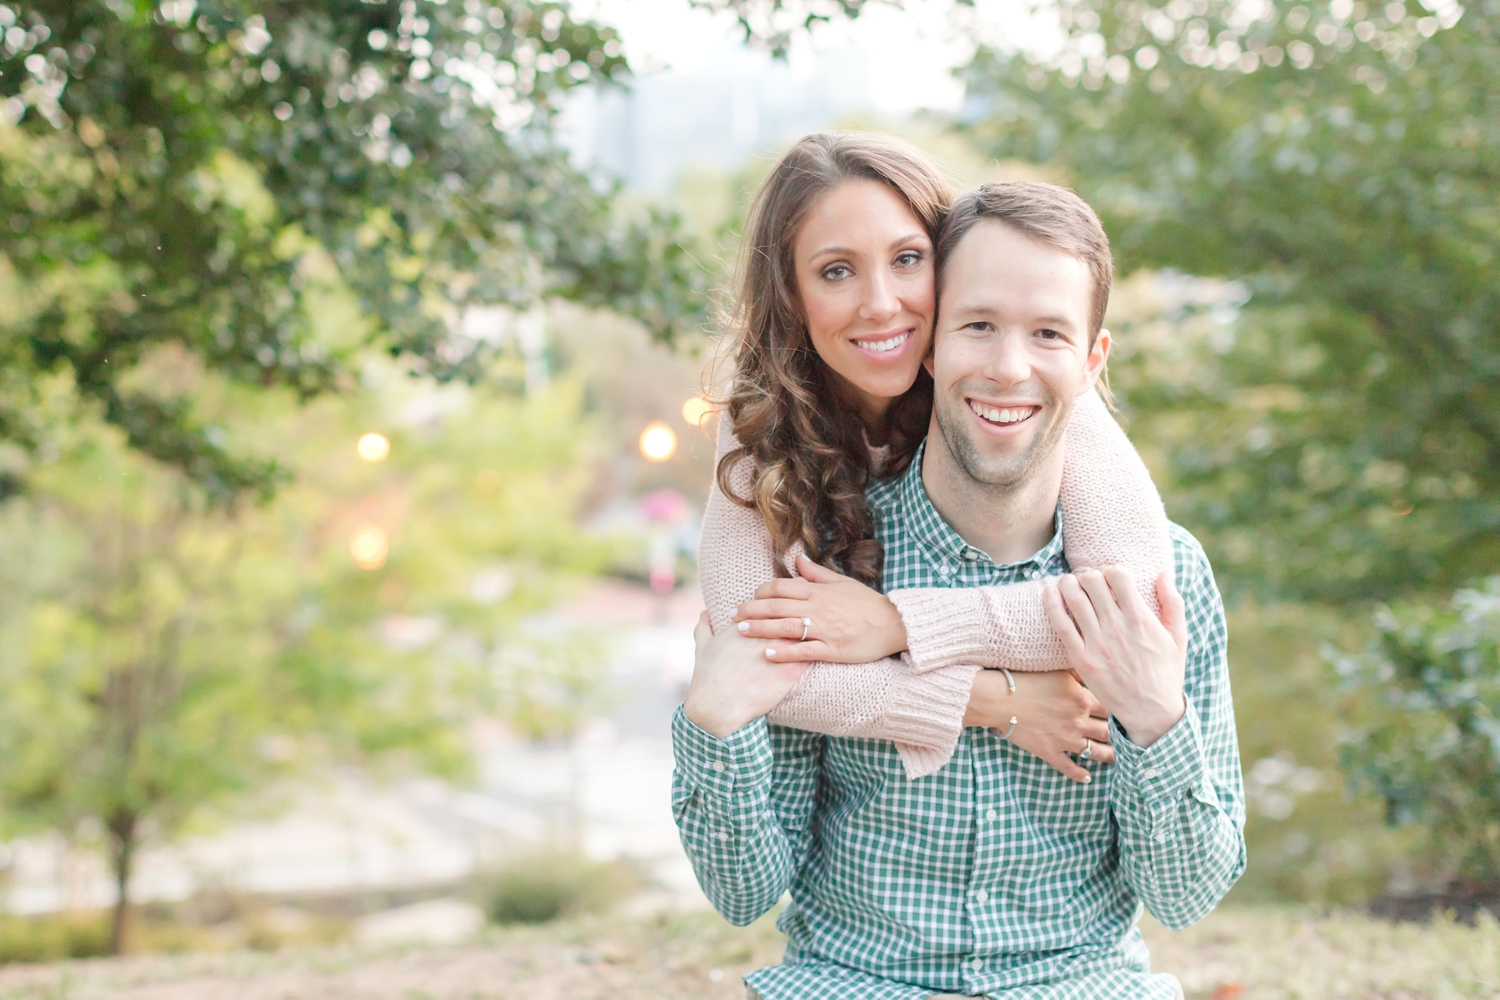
x: 1011, y: 352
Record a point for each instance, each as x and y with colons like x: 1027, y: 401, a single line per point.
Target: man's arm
x: 1180, y: 803
x: 1177, y: 793
x: 743, y: 807
x: 742, y: 791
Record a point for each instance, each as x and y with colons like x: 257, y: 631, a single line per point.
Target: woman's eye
x: 837, y: 272
x: 909, y: 258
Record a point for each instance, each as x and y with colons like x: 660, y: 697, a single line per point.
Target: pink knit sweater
x: 1112, y: 515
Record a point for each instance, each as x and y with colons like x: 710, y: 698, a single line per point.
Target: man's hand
x: 1055, y: 716
x: 1133, y: 663
x: 732, y: 683
x: 851, y: 623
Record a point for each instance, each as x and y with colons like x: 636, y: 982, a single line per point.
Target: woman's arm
x: 1112, y: 516
x: 922, y: 711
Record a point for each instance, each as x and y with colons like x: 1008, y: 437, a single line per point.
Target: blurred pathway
x: 609, y: 792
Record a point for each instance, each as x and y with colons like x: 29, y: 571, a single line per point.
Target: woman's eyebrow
x: 909, y: 238
x: 851, y: 252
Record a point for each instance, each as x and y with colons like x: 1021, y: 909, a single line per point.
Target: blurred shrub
x: 52, y: 937
x: 542, y: 887
x: 1428, y: 738
x: 1309, y: 840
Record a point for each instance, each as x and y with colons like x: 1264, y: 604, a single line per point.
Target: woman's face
x: 866, y: 281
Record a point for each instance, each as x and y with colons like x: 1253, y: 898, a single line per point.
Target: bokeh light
x: 369, y: 547
x: 696, y: 410
x: 658, y: 443
x: 373, y: 447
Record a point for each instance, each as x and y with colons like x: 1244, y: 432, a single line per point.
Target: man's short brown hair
x: 1051, y: 215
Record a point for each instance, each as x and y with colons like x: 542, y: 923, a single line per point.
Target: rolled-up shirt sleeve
x: 743, y: 806
x: 1180, y: 803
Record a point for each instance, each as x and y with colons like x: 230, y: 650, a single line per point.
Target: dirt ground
x: 1235, y: 954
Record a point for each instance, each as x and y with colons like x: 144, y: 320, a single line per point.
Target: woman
x: 833, y: 319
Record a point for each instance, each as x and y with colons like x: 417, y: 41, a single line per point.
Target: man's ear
x: 1093, y: 364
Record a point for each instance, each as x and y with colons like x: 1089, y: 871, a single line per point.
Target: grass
x: 1240, y: 953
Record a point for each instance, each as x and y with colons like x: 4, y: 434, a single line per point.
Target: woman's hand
x: 1054, y: 714
x: 850, y: 623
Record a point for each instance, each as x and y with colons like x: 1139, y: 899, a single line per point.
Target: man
x: 996, y: 876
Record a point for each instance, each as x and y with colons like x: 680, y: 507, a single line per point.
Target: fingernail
x: 1086, y: 779
x: 743, y: 626
x: 770, y: 654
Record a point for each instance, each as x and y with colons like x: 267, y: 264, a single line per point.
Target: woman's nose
x: 879, y: 301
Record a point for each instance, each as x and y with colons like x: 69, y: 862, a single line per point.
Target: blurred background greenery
x: 313, y: 333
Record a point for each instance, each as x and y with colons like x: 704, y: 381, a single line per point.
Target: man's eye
x: 980, y: 325
x: 1049, y: 334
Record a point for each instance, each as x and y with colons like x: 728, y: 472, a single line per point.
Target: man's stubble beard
x: 1006, y: 474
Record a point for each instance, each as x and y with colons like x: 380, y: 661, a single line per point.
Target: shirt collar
x: 945, y: 545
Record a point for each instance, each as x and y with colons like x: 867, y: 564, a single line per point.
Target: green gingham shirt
x: 996, y: 876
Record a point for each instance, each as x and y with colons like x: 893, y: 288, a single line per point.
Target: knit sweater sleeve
x: 1112, y: 516
x: 921, y: 710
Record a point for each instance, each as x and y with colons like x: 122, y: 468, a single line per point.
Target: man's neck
x: 1008, y: 523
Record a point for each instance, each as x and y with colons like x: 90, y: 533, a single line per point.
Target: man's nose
x: 1008, y: 362
x: 879, y: 301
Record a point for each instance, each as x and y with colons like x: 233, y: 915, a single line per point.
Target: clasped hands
x: 1124, y: 661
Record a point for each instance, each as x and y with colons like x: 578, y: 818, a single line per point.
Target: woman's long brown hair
x: 809, y: 451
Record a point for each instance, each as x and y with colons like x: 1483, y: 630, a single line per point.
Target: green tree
x: 1428, y: 741
x: 1338, y: 435
x: 171, y: 172
x: 162, y: 658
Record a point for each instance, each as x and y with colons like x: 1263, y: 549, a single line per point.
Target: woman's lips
x: 884, y: 347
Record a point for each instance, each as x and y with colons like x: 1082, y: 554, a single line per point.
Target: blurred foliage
x: 1429, y: 741
x: 1335, y: 431
x: 1307, y: 841
x: 162, y: 658
x: 52, y: 937
x: 775, y: 24
x: 186, y: 172
x: 543, y: 887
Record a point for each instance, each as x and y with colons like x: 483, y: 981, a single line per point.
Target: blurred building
x: 744, y: 103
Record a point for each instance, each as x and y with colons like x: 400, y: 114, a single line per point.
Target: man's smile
x: 1003, y: 416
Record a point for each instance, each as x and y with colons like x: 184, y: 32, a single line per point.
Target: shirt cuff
x: 1168, y: 767
x: 740, y: 760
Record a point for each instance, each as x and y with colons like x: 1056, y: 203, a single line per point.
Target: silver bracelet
x: 1006, y: 735
x: 1009, y: 680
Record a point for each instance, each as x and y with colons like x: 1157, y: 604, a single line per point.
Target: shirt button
x: 971, y: 555
x: 722, y: 835
x: 1160, y: 838
x: 981, y: 896
x: 1149, y: 773
x: 718, y: 765
x: 945, y: 569
x: 991, y: 815
x: 977, y: 964
x: 1034, y: 573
